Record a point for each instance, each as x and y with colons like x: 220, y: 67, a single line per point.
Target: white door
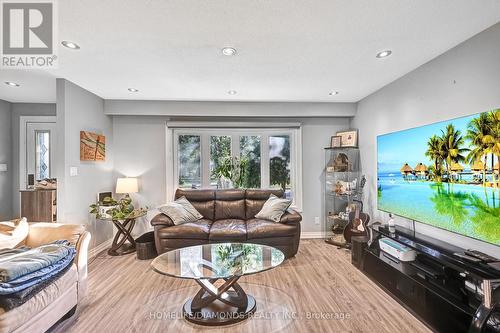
x: 40, y: 143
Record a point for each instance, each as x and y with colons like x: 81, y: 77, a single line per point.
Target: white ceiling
x: 288, y: 50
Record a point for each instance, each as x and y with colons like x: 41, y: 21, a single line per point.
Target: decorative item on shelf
x: 341, y: 163
x: 345, y: 188
x: 92, y: 146
x: 46, y: 184
x: 349, y: 138
x: 336, y: 141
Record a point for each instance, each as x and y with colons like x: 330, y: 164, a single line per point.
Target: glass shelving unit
x: 342, y: 187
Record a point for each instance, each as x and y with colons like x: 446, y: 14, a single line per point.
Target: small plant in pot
x: 122, y: 209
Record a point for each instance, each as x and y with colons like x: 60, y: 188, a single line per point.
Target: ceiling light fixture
x: 12, y: 84
x: 229, y: 51
x: 333, y: 93
x: 384, y: 54
x: 70, y: 45
x: 133, y: 90
x: 232, y: 92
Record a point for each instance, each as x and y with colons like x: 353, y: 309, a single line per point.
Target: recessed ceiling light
x: 333, y: 93
x: 232, y: 92
x: 133, y: 90
x: 12, y: 84
x: 384, y: 54
x: 70, y: 45
x: 229, y: 51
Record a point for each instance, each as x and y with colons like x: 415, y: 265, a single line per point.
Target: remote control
x: 466, y: 257
x: 480, y: 255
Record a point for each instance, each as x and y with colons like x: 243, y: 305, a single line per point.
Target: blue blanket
x: 24, y: 267
x: 31, y: 279
x: 20, y: 262
x: 8, y: 302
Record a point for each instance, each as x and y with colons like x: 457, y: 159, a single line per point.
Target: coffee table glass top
x: 221, y: 260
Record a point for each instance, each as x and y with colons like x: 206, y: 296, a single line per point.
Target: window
x: 220, y: 152
x: 279, y: 162
x: 189, y: 161
x: 250, y: 154
x: 242, y: 157
x: 42, y: 155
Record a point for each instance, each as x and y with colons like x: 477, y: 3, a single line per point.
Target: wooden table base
x: 217, y: 306
x: 120, y: 246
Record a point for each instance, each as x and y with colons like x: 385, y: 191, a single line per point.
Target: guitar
x: 357, y: 225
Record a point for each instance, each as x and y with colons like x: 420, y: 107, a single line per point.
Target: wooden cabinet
x: 39, y: 205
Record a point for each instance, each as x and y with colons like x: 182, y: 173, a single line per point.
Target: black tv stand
x: 446, y: 292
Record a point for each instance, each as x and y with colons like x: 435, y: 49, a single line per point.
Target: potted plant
x: 122, y: 209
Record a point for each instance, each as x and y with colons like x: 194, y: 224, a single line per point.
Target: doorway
x: 37, y: 150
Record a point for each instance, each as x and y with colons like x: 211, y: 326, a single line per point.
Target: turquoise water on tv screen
x: 462, y: 206
x: 470, y: 210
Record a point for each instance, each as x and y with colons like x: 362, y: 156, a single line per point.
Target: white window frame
x: 235, y: 130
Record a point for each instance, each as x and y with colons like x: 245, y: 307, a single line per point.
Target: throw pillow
x: 13, y: 233
x: 273, y: 208
x: 181, y: 211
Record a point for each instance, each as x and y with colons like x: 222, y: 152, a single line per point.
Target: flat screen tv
x: 444, y: 174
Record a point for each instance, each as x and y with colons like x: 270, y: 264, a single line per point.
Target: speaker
x: 31, y: 179
x: 358, y: 246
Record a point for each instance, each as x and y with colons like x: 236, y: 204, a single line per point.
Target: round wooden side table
x: 124, y: 242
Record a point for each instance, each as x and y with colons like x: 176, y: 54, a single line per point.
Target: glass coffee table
x: 217, y: 268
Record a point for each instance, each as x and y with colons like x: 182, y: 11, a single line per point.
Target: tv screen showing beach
x: 445, y: 174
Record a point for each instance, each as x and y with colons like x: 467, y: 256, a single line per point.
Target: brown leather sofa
x: 228, y: 216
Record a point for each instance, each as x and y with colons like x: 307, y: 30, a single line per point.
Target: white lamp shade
x: 127, y: 185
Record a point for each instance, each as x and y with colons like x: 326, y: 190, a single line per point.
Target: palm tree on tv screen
x: 492, y: 140
x: 477, y: 130
x: 436, y: 152
x: 453, y: 142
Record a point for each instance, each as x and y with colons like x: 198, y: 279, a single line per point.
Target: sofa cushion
x: 231, y: 230
x: 257, y: 228
x: 13, y: 233
x: 202, y: 200
x: 181, y: 211
x: 192, y: 230
x: 255, y: 199
x: 273, y: 209
x: 230, y: 204
x: 42, y: 233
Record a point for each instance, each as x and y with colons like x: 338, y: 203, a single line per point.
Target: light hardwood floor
x: 317, y: 291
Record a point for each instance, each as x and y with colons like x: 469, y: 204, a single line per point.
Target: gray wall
x: 19, y: 110
x: 140, y: 146
x: 462, y: 81
x: 5, y: 158
x: 77, y: 110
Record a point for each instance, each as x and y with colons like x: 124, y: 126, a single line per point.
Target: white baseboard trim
x: 313, y: 235
x: 93, y: 252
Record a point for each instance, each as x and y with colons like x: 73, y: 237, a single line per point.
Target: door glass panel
x: 250, y: 159
x: 279, y: 163
x: 220, y: 152
x: 42, y: 155
x: 189, y: 161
